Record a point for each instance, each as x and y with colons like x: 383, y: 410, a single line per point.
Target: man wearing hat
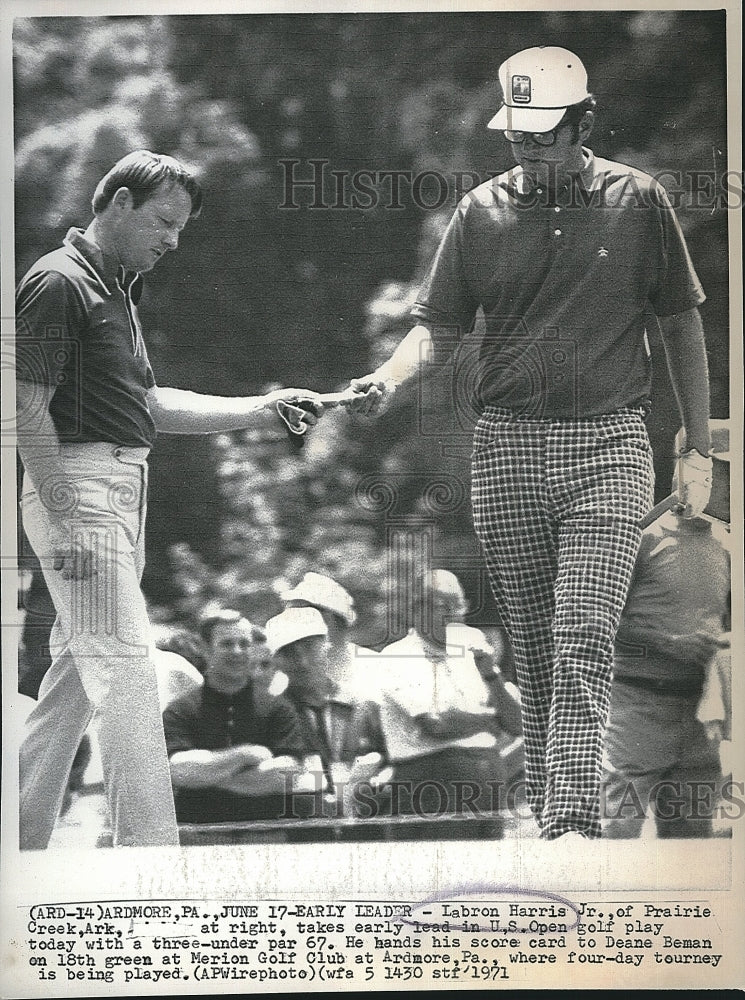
x: 342, y: 740
x: 570, y: 257
x: 349, y: 666
x: 672, y: 640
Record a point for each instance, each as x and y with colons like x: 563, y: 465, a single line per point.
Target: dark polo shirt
x: 77, y: 329
x: 205, y: 719
x: 567, y: 284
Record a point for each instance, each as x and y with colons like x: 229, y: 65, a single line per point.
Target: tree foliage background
x: 261, y: 295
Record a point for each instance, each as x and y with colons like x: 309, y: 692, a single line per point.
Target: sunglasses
x: 540, y: 138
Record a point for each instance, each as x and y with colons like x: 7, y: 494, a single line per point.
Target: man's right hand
x: 372, y: 394
x: 71, y: 558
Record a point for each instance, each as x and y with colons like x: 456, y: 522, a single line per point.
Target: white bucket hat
x: 538, y: 85
x: 291, y: 625
x: 323, y: 592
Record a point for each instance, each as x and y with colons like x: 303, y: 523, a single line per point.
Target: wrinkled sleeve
x: 49, y: 321
x: 677, y: 287
x: 445, y: 302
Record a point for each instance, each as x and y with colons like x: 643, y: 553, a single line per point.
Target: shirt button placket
x: 231, y: 724
x: 557, y: 230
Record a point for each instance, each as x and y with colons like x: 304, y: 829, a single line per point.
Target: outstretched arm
x: 179, y: 411
x: 376, y: 389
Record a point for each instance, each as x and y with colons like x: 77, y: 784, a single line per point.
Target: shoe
x: 571, y: 837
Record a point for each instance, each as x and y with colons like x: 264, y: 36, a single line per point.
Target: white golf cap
x: 323, y: 592
x: 538, y: 85
x: 291, y: 625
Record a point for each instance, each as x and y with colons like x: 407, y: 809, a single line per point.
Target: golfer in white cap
x: 569, y: 256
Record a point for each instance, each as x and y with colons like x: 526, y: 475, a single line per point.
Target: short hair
x: 143, y: 172
x: 227, y: 616
x: 576, y: 112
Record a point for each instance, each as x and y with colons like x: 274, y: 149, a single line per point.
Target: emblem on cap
x: 520, y: 89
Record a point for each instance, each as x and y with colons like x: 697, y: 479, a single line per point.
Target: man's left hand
x: 298, y: 408
x: 694, y: 475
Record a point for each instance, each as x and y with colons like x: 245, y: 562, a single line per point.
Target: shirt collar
x: 519, y: 184
x: 219, y: 698
x: 105, y: 267
x: 330, y: 691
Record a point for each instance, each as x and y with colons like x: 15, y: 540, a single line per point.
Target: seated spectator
x: 231, y: 744
x: 348, y: 664
x: 661, y: 749
x: 441, y: 731
x: 343, y: 743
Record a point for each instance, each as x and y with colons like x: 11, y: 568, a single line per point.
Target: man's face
x: 142, y: 235
x: 232, y: 656
x: 448, y: 606
x: 548, y: 164
x: 306, y: 664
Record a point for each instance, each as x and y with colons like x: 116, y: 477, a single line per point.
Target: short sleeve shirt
x: 78, y: 331
x: 567, y: 284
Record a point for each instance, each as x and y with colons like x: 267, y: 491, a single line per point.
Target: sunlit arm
x: 685, y: 350
x: 36, y: 437
x: 414, y: 352
x: 179, y: 411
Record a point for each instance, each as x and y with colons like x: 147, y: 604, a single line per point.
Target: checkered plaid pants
x: 556, y: 506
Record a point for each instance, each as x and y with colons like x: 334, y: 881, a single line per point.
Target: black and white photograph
x: 372, y: 571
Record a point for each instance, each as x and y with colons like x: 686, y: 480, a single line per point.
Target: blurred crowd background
x: 260, y: 295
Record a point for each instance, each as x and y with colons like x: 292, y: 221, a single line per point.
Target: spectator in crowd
x: 672, y: 631
x: 343, y: 742
x: 230, y: 743
x: 348, y: 665
x: 440, y: 730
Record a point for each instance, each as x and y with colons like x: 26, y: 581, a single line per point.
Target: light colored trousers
x: 100, y: 645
